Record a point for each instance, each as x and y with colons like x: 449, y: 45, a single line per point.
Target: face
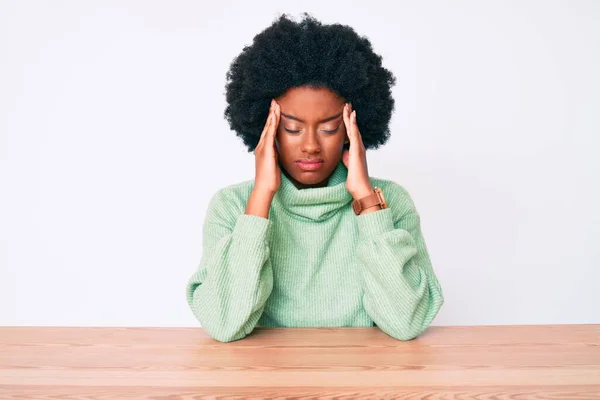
x: 311, y: 129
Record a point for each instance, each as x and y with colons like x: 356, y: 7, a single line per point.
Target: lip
x: 309, y: 165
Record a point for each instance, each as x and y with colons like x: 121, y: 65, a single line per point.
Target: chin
x: 310, y: 177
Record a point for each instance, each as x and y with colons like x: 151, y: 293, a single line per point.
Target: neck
x: 314, y: 203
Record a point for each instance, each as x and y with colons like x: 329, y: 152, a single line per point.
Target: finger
x: 357, y: 134
x: 352, y: 126
x: 347, y: 124
x: 263, y: 133
x: 272, y: 131
x: 277, y: 118
x: 267, y: 125
x: 264, y: 140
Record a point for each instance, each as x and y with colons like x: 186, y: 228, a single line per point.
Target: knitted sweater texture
x: 313, y: 263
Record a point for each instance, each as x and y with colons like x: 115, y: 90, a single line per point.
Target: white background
x: 112, y: 141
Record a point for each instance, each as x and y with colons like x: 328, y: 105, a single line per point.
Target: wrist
x: 362, y: 192
x: 265, y: 194
x: 368, y: 203
x: 259, y: 203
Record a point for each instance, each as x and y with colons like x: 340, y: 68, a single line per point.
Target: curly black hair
x: 308, y: 53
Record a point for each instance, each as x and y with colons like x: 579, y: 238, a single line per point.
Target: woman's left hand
x: 355, y: 159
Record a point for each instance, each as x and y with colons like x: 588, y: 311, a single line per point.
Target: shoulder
x: 396, y: 195
x: 231, y: 200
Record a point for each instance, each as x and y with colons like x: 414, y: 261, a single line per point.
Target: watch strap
x: 372, y: 200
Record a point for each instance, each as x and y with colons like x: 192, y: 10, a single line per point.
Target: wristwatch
x: 375, y: 199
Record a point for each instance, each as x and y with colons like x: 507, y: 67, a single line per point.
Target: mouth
x: 310, y: 165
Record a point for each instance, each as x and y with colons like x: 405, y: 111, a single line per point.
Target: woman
x: 313, y: 240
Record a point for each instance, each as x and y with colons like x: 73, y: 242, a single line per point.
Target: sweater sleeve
x: 402, y: 294
x: 228, y: 292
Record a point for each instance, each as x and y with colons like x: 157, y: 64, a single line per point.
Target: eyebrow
x: 325, y: 120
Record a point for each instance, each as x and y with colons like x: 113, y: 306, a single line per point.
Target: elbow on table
x: 226, y: 336
x: 222, y: 330
x: 410, y: 330
x: 404, y: 334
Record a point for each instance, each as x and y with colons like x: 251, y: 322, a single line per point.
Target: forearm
x: 402, y: 294
x: 228, y: 292
x: 259, y: 203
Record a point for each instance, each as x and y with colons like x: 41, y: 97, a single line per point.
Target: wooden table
x: 517, y: 362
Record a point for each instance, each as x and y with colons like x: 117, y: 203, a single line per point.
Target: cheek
x: 283, y: 144
x: 334, y: 145
x: 286, y: 140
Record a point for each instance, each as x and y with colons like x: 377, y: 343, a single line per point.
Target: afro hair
x: 290, y: 54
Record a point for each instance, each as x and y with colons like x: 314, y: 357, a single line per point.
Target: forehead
x: 310, y: 103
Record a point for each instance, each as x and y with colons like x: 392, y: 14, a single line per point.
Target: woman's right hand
x: 268, y: 173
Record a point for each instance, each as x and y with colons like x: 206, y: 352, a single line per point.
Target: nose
x: 311, y: 144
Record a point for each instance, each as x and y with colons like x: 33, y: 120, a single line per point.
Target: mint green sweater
x: 313, y: 263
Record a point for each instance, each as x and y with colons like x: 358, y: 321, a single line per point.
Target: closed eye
x: 324, y: 130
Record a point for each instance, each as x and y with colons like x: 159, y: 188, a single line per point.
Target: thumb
x: 345, y: 157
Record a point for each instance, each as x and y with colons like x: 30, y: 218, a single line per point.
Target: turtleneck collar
x: 319, y: 203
